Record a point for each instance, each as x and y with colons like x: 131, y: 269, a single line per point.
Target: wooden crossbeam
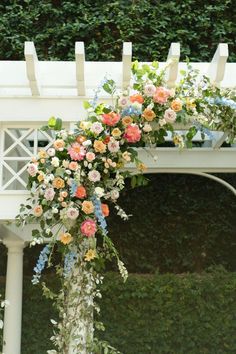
x: 32, y: 69
x: 172, y: 70
x: 216, y: 68
x: 80, y: 61
x: 127, y: 63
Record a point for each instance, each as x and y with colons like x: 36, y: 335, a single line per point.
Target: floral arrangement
x: 75, y: 181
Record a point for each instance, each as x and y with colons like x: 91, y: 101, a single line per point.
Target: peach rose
x: 99, y: 146
x: 161, y: 95
x: 73, y: 166
x: 66, y: 238
x: 59, y: 144
x: 176, y: 105
x: 38, y: 210
x: 58, y: 183
x: 42, y: 154
x: 127, y: 120
x: 87, y: 207
x: 148, y: 114
x: 116, y: 132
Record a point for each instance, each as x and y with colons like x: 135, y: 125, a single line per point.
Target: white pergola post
x: 14, y: 286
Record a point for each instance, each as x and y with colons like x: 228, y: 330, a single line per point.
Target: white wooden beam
x: 80, y: 61
x: 218, y: 142
x: 32, y: 68
x: 127, y: 63
x: 173, y: 58
x: 216, y: 68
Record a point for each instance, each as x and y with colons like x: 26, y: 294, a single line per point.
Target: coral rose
x: 58, y: 183
x: 81, y: 192
x: 99, y: 146
x: 87, y: 207
x: 88, y: 227
x: 148, y: 114
x: 136, y: 98
x: 105, y: 209
x: 110, y: 118
x: 132, y: 133
x: 176, y: 105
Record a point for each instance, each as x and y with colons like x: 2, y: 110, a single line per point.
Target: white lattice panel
x: 18, y: 143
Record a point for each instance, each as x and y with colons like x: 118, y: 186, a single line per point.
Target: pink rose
x: 32, y: 169
x: 149, y: 90
x: 161, y: 95
x: 88, y: 227
x: 90, y: 156
x: 73, y: 166
x: 49, y: 194
x: 132, y: 133
x: 170, y: 116
x: 72, y: 213
x: 113, y: 145
x: 77, y: 152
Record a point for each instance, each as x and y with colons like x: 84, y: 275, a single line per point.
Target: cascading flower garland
x: 73, y: 182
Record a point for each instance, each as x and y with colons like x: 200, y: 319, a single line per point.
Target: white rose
x: 99, y: 191
x: 55, y: 161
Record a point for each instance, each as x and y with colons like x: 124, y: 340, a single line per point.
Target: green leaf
x: 133, y: 181
x: 86, y: 104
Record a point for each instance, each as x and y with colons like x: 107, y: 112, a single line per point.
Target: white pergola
x: 31, y: 91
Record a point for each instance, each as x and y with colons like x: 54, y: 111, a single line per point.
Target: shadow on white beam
x: 31, y: 60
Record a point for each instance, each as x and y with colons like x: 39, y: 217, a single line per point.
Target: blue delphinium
x: 204, y: 130
x: 42, y: 260
x: 70, y: 259
x: 73, y: 188
x: 222, y: 101
x: 99, y: 215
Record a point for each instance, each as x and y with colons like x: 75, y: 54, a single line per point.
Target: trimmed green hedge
x: 151, y: 314
x: 151, y: 25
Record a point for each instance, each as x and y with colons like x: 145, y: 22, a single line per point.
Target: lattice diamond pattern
x: 17, y: 146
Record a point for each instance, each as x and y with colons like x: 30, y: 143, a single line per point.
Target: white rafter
x: 126, y: 63
x: 32, y: 68
x: 217, y: 66
x: 173, y: 58
x: 80, y: 62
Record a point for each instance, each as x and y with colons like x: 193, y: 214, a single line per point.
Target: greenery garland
x: 73, y: 181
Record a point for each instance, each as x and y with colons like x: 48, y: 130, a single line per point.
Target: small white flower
x: 55, y: 162
x: 114, y: 194
x: 54, y: 210
x: 51, y: 151
x: 99, y: 191
x: 1, y: 324
x: 68, y: 172
x: 87, y: 143
x: 147, y: 128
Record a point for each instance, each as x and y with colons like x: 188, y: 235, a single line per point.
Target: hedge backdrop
x: 151, y: 25
x: 181, y: 224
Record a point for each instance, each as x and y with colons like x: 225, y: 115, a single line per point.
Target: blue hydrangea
x: 222, y: 101
x: 73, y: 188
x: 131, y: 110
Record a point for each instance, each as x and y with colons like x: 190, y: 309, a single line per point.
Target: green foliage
x: 171, y: 314
x: 151, y: 25
x: 179, y: 223
x: 149, y: 314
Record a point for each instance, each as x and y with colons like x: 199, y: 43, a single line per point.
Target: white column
x: 14, y: 285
